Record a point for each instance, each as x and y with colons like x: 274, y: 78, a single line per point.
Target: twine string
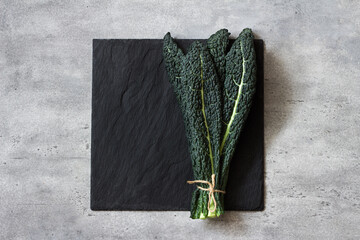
x: 211, y: 190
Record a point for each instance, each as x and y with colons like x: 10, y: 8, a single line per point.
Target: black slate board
x: 139, y: 155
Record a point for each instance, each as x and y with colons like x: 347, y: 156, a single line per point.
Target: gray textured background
x: 312, y: 102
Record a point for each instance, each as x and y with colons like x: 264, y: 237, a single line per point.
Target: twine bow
x: 211, y: 190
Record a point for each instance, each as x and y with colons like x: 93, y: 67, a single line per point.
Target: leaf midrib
x: 227, y: 132
x: 203, y: 112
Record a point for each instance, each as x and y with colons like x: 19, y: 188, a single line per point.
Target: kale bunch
x: 214, y: 88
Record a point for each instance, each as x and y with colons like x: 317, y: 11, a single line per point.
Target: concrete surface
x: 312, y: 95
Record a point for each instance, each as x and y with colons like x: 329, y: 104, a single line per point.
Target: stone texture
x: 312, y: 126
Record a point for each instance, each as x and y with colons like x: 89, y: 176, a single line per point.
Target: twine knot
x: 211, y: 190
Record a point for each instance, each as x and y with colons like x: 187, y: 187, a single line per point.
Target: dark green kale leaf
x: 203, y: 111
x: 173, y: 57
x: 197, y: 89
x: 239, y: 88
x: 217, y: 45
